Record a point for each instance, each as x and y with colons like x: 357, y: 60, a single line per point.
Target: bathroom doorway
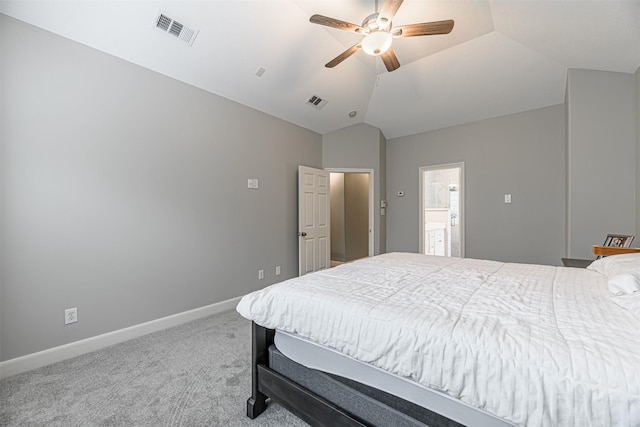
x: 442, y: 210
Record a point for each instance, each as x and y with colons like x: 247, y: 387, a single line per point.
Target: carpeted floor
x: 196, y: 374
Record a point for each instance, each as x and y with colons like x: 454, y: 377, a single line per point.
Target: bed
x: 410, y: 339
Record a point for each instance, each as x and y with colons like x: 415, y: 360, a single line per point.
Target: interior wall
x: 1, y: 178
x: 637, y: 244
x: 601, y: 141
x: 356, y: 214
x: 520, y: 154
x: 124, y: 193
x: 381, y: 231
x: 361, y: 146
x: 336, y: 194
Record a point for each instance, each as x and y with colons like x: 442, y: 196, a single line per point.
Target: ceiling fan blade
x: 336, y: 23
x: 424, y: 29
x: 344, y: 55
x: 390, y: 60
x: 389, y: 9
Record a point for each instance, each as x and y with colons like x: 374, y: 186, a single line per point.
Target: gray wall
x: 124, y: 193
x: 361, y: 146
x: 349, y: 216
x: 1, y: 174
x: 356, y: 213
x: 338, y: 246
x: 601, y: 162
x: 381, y: 214
x: 520, y: 154
x: 637, y: 244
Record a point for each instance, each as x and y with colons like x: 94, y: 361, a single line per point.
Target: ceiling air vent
x: 317, y: 102
x: 171, y: 26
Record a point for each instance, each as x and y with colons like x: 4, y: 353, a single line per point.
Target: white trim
x: 422, y: 170
x: 67, y: 351
x: 372, y: 207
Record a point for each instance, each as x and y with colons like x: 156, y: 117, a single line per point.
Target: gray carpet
x: 196, y: 374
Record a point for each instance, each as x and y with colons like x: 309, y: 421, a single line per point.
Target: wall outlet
x: 71, y: 315
x: 277, y: 270
x: 260, y: 274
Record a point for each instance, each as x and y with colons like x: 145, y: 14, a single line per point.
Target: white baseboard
x: 67, y: 351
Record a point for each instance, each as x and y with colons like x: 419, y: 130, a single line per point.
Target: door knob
x: 302, y: 233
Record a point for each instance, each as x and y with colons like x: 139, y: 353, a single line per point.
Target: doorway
x: 442, y: 210
x: 351, y: 196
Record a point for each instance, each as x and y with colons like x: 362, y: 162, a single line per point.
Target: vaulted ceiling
x: 502, y: 56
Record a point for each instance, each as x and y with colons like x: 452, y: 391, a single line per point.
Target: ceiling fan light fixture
x: 376, y: 43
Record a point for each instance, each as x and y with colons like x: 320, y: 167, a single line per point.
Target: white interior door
x: 313, y: 220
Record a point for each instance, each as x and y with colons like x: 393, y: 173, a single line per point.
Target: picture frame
x: 618, y: 240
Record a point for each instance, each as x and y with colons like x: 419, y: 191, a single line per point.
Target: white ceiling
x: 502, y: 56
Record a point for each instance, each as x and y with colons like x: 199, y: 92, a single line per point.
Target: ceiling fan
x: 379, y: 31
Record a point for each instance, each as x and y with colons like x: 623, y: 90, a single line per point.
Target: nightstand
x: 576, y: 263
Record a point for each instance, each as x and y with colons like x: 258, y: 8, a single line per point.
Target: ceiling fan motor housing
x: 373, y: 23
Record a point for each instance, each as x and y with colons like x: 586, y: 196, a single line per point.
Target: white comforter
x: 535, y: 345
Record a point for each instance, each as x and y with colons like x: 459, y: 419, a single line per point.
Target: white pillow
x: 618, y: 264
x: 628, y: 302
x: 625, y: 283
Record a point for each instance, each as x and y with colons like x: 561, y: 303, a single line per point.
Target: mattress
x: 530, y: 344
x: 317, y: 357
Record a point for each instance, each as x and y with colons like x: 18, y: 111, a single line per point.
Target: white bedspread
x: 535, y: 345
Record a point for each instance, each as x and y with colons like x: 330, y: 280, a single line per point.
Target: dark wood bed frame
x: 266, y: 383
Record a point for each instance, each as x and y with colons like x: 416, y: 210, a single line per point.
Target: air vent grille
x: 177, y: 29
x: 316, y: 102
x: 186, y: 34
x: 163, y: 22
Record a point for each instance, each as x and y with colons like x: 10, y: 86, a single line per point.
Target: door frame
x: 421, y: 172
x: 372, y: 228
